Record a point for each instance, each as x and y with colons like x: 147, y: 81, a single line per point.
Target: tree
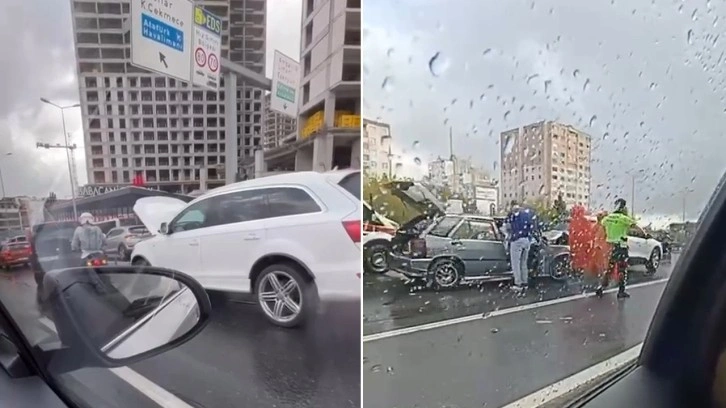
x: 544, y: 212
x: 560, y: 208
x: 378, y: 195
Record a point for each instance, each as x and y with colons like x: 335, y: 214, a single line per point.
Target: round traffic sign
x: 200, y: 57
x: 213, y: 63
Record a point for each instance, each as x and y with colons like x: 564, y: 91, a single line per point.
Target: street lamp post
x: 632, y: 190
x: 2, y: 181
x: 67, y: 147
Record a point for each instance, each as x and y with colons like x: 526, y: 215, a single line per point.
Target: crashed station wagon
x: 446, y: 250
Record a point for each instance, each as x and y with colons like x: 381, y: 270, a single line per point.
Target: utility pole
x: 632, y: 195
x: 68, y: 148
x: 451, y: 143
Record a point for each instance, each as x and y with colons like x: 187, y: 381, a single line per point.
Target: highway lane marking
x: 150, y: 389
x: 570, y: 383
x: 494, y: 313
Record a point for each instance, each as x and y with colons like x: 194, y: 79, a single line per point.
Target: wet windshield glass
x: 590, y: 130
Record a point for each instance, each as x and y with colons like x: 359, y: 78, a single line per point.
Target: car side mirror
x: 115, y: 316
x: 164, y: 228
x: 648, y: 236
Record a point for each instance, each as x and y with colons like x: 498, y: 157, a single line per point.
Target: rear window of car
x: 351, y: 183
x: 138, y: 230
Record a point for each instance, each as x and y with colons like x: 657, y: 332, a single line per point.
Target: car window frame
x: 492, y: 227
x: 640, y: 232
x: 347, y: 177
x: 185, y: 211
x: 430, y: 229
x: 260, y: 190
x: 458, y: 228
x: 318, y: 203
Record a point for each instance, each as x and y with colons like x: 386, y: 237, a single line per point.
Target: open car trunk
x: 416, y: 196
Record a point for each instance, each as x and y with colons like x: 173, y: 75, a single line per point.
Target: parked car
x: 446, y: 250
x: 17, y: 239
x: 643, y: 249
x: 289, y: 239
x: 122, y: 240
x: 14, y: 254
x: 377, y: 234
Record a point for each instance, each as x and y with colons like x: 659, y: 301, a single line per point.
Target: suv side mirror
x: 115, y: 316
x: 164, y: 228
x: 648, y: 236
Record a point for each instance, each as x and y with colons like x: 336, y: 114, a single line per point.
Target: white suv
x: 643, y: 249
x: 290, y: 239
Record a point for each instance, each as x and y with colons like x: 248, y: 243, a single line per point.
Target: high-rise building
x: 136, y: 122
x: 376, y: 148
x: 279, y: 129
x: 330, y: 62
x: 543, y: 160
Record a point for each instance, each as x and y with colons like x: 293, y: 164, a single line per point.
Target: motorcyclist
x: 616, y: 226
x: 88, y: 238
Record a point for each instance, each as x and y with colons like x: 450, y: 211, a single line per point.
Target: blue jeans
x: 519, y: 253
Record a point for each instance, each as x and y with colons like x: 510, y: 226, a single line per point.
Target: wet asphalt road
x: 238, y: 360
x: 492, y: 361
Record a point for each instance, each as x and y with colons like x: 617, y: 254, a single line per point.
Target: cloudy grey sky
x: 627, y: 72
x: 38, y: 61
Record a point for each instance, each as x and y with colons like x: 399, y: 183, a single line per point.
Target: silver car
x: 121, y: 240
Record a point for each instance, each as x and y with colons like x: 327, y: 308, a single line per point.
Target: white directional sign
x: 161, y: 36
x: 207, y: 45
x: 285, y: 84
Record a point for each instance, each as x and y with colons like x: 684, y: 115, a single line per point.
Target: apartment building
x: 545, y: 159
x: 136, y: 122
x: 376, y: 148
x: 329, y: 106
x: 278, y: 129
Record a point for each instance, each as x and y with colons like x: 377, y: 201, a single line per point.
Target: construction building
x: 136, y: 122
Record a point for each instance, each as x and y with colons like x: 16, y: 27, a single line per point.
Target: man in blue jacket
x: 521, y: 224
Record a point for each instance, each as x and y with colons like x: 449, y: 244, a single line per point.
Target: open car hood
x: 152, y: 211
x: 417, y: 196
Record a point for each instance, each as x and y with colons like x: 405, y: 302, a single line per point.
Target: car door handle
x: 194, y: 243
x: 458, y: 245
x: 252, y: 237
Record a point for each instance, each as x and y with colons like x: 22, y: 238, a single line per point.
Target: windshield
x: 544, y: 113
x: 129, y: 110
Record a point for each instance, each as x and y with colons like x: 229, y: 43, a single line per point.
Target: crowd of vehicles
x: 445, y: 250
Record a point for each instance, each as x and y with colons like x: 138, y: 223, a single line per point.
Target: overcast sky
x: 38, y: 60
x: 627, y: 72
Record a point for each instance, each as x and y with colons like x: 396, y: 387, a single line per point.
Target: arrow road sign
x: 161, y: 36
x: 285, y: 84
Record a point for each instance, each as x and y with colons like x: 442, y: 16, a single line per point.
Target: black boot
x: 622, y: 294
x: 599, y: 291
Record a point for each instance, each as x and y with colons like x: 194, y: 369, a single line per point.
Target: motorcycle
x: 94, y: 259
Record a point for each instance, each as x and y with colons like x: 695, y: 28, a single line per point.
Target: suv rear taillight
x: 353, y: 229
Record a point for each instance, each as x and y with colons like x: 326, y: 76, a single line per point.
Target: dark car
x: 50, y: 248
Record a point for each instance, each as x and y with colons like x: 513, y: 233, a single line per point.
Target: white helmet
x: 85, y: 218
